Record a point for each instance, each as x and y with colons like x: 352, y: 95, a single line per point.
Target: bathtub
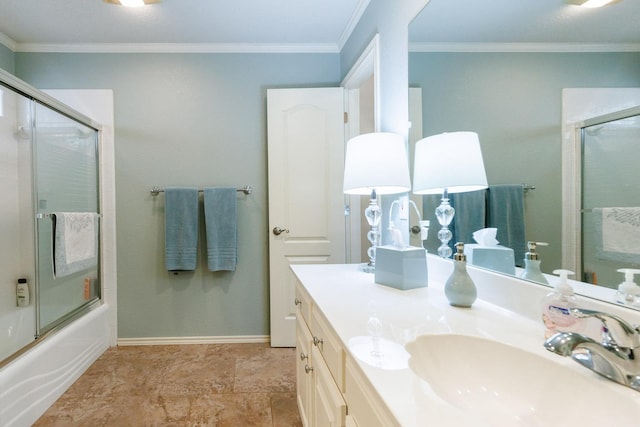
x: 17, y: 329
x: 34, y: 381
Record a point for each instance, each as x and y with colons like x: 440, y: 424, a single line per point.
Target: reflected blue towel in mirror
x: 220, y: 210
x: 470, y: 215
x: 505, y: 211
x: 181, y: 228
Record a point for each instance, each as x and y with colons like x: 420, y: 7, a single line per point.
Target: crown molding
x: 8, y: 41
x: 524, y: 47
x: 353, y: 22
x: 177, y: 48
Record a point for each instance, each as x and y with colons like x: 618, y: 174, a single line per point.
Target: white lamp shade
x: 376, y: 161
x: 451, y: 160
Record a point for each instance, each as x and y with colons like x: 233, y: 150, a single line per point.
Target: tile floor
x: 218, y: 385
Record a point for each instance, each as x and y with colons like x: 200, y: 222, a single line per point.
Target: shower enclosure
x: 49, y: 186
x: 610, y: 211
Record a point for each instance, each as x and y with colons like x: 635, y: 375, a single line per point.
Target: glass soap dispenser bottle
x: 628, y: 291
x: 532, y: 264
x: 459, y: 288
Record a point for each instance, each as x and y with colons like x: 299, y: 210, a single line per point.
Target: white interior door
x: 306, y: 203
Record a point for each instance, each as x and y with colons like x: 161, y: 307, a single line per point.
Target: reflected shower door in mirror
x: 610, y: 211
x: 510, y: 93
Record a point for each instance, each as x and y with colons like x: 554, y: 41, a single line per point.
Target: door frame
x: 366, y: 67
x: 578, y: 105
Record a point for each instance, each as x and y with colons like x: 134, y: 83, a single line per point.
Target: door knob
x: 279, y: 230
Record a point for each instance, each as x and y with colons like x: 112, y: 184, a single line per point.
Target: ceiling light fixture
x: 592, y: 3
x: 132, y: 3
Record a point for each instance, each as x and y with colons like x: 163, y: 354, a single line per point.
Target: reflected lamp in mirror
x: 449, y: 162
x: 132, y: 3
x: 375, y: 164
x: 592, y: 3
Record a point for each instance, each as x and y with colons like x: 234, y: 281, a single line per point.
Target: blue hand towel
x: 470, y: 215
x: 220, y: 212
x: 506, y: 213
x: 181, y: 228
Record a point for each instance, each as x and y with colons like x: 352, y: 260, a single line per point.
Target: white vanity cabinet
x: 406, y: 385
x: 319, y: 368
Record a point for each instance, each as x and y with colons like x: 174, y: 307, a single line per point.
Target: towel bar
x: 246, y: 190
x: 42, y: 215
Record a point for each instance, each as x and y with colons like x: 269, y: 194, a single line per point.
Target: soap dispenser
x: 628, y: 292
x: 459, y: 288
x: 532, y: 264
x: 557, y: 305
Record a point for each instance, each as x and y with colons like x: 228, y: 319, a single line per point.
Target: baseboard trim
x: 241, y: 339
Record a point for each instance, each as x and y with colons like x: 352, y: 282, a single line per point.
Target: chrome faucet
x: 615, y: 358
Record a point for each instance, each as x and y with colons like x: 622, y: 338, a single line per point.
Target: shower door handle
x: 279, y: 230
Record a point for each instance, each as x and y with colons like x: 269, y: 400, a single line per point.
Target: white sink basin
x: 506, y: 386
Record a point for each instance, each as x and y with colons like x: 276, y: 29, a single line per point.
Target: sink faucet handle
x: 630, y: 333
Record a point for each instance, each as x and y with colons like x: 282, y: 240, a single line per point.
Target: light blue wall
x: 195, y: 120
x: 7, y: 59
x: 514, y: 102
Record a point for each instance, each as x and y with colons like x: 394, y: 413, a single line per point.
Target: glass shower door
x: 17, y: 249
x: 67, y: 205
x: 610, y: 198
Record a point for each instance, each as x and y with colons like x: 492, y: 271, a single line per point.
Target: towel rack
x: 44, y: 215
x: 527, y: 187
x: 246, y: 190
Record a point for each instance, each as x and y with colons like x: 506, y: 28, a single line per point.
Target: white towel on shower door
x: 617, y: 233
x: 75, y: 243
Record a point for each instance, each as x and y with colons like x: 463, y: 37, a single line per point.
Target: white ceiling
x: 541, y: 22
x: 301, y: 25
x: 32, y: 25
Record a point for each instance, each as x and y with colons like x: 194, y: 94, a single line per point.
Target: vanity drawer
x: 365, y: 406
x: 329, y: 407
x: 329, y: 346
x: 303, y: 303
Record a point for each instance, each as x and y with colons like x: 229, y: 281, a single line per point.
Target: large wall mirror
x: 488, y: 68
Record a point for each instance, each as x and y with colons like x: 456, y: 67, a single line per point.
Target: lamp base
x: 367, y: 268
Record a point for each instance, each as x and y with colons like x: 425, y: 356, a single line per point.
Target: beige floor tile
x: 196, y: 385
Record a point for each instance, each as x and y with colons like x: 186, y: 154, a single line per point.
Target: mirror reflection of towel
x: 75, y: 246
x: 617, y: 234
x: 470, y: 214
x: 505, y: 211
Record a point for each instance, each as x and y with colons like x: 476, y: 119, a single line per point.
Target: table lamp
x: 449, y: 162
x: 375, y: 164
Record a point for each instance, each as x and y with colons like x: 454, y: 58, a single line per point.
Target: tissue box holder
x: 497, y: 258
x: 401, y: 268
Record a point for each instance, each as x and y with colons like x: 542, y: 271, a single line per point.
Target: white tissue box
x: 401, y: 268
x: 497, y: 258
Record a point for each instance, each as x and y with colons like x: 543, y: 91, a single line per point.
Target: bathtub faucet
x: 617, y: 359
